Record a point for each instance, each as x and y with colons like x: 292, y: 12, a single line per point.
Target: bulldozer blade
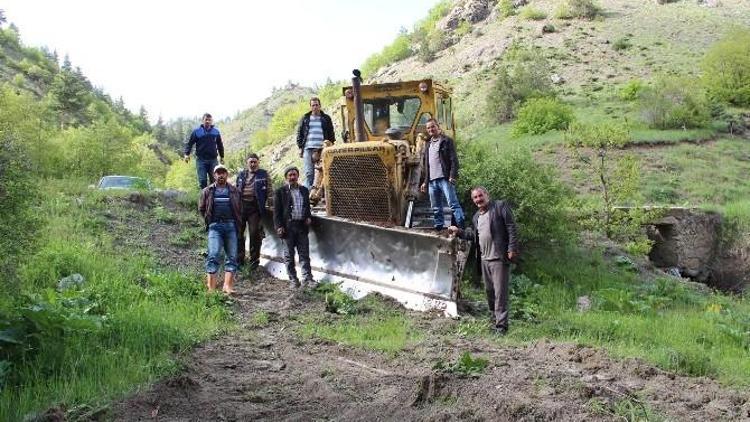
x: 420, y: 270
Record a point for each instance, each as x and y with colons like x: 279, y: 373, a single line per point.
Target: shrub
x: 726, y: 68
x: 674, y: 103
x: 463, y: 28
x: 539, y: 198
x: 622, y: 44
x: 506, y: 8
x: 524, y: 75
x: 631, y: 90
x: 532, y: 14
x: 399, y: 49
x: 540, y: 115
x: 581, y: 9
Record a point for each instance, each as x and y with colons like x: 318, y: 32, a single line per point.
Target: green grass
x: 127, y: 325
x: 375, y: 326
x: 663, y: 322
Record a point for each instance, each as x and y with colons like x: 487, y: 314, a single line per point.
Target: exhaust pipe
x: 359, y: 108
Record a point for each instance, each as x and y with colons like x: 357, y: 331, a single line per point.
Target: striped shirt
x: 315, y: 133
x: 298, y: 213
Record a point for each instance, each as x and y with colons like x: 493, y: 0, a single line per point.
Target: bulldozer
x: 372, y: 228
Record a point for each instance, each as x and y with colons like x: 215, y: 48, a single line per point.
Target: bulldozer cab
x: 403, y: 106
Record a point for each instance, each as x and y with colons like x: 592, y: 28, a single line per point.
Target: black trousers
x: 296, y: 240
x: 496, y: 275
x: 250, y: 221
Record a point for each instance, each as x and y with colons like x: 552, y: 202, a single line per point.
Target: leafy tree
x: 523, y: 75
x: 159, y: 130
x: 618, y: 178
x: 726, y: 68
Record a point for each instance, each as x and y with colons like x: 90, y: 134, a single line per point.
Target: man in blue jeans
x: 440, y: 164
x: 314, y: 128
x: 208, y: 146
x: 219, y: 205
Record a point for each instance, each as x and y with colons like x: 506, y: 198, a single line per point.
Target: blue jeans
x: 205, y: 169
x: 440, y: 189
x: 308, y: 167
x: 222, y: 235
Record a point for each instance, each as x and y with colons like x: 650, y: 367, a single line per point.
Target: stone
x: 583, y: 304
x: 72, y: 281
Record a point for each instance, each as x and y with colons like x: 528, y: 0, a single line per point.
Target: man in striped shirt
x: 314, y: 128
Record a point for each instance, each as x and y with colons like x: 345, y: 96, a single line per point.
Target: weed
x: 622, y: 44
x: 466, y: 365
x: 259, y: 319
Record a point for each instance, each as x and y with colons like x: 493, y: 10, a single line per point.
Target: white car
x: 123, y: 182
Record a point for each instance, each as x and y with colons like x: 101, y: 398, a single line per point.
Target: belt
x: 231, y: 220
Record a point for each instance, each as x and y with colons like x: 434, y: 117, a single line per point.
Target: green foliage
x: 538, y: 197
x: 525, y: 303
x: 622, y: 44
x: 523, y: 75
x: 541, y: 115
x: 117, y: 328
x: 631, y: 90
x: 260, y: 139
x: 399, y: 49
x: 530, y: 13
x: 425, y: 35
x: 580, y: 9
x: 384, y: 331
x: 285, y: 120
x: 181, y: 176
x: 726, y: 68
x: 463, y: 28
x: 337, y: 301
x: 674, y: 103
x: 506, y: 8
x: 618, y: 178
x: 259, y: 319
x: 466, y: 365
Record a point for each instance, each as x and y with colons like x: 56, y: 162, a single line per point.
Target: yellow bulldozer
x: 372, y: 229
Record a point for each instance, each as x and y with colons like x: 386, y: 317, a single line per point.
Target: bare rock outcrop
x: 471, y: 11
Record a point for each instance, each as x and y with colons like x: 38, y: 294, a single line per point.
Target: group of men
x: 229, y: 210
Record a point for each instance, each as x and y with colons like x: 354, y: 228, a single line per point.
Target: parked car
x: 123, y: 182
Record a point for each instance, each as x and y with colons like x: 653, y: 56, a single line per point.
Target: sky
x: 184, y: 58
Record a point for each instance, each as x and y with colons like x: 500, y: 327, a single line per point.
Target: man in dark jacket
x: 292, y: 219
x: 219, y: 204
x: 439, y: 175
x: 314, y: 128
x: 208, y: 146
x: 495, y: 235
x: 254, y: 185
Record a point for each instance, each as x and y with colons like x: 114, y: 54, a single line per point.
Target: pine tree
x: 144, y: 124
x: 71, y: 95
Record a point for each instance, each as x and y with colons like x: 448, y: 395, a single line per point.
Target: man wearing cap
x: 219, y: 204
x: 254, y: 185
x: 292, y: 218
x: 208, y: 146
x: 314, y: 128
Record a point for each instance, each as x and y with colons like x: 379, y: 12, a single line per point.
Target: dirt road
x: 268, y: 369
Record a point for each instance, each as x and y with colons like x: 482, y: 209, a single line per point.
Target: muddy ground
x: 271, y: 371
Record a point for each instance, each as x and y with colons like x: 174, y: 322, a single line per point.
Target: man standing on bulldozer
x: 314, y: 128
x: 440, y: 171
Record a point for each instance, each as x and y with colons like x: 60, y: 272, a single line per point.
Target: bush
x: 631, y: 90
x: 540, y: 115
x: 399, y: 49
x: 622, y: 44
x: 581, y: 9
x: 726, y: 68
x: 524, y: 75
x: 539, y: 198
x: 529, y: 13
x: 674, y: 103
x: 506, y: 8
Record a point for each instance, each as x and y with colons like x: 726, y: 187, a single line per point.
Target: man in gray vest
x: 495, y: 233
